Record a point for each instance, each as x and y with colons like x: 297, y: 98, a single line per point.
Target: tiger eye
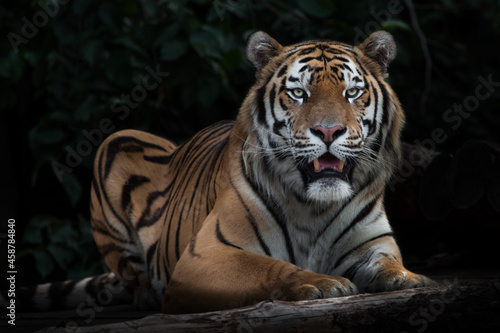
x: 297, y: 92
x: 352, y: 92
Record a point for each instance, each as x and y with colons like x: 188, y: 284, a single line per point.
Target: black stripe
x: 351, y: 272
x: 131, y: 148
x: 361, y: 215
x: 272, y: 96
x: 363, y: 70
x: 147, y: 218
x: 252, y: 221
x: 261, y: 94
x: 58, y: 293
x: 303, y: 68
x: 260, y: 105
x: 372, y: 124
x: 122, y: 264
x: 178, y: 232
x: 195, y: 157
x: 135, y: 258
x: 108, y: 202
x: 277, y: 213
x: 111, y: 247
x: 165, y: 256
x: 91, y: 287
x: 150, y: 252
x: 343, y: 60
x: 282, y: 105
x: 192, y: 245
x: 348, y: 253
x: 108, y: 234
x: 205, y: 162
x: 132, y: 183
x: 282, y: 71
x: 308, y: 50
x: 221, y: 237
x: 385, y: 115
x: 191, y: 148
x: 167, y: 277
x: 307, y: 59
x: 158, y: 159
x: 115, y: 147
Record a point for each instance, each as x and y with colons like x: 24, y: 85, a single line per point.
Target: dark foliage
x: 71, y: 72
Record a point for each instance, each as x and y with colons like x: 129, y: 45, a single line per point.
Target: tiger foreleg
x: 394, y: 276
x: 243, y: 278
x: 386, y: 271
x: 213, y: 275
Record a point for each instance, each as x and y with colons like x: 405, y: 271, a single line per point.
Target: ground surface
x: 465, y: 301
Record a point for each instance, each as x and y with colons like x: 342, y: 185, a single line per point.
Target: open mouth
x: 327, y: 166
x: 328, y: 161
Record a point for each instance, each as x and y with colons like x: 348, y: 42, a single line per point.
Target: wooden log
x: 459, y: 307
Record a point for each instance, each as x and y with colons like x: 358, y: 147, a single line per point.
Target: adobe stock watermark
x: 90, y: 306
x: 94, y: 137
x: 454, y: 118
x: 393, y: 7
x: 30, y: 28
x: 421, y: 318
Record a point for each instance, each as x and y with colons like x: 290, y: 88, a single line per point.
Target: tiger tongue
x: 328, y: 161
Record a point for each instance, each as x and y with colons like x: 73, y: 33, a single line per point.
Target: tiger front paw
x: 398, y: 279
x: 316, y: 286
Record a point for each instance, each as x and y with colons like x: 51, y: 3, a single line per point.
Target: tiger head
x: 322, y: 115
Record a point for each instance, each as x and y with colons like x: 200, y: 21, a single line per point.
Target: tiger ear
x: 261, y: 48
x: 381, y: 48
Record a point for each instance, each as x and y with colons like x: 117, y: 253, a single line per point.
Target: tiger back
x: 286, y: 203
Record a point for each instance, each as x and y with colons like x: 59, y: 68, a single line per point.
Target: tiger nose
x: 328, y: 133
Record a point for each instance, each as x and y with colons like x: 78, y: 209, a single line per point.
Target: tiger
x: 286, y: 202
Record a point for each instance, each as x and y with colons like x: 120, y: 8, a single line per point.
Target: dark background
x: 61, y: 77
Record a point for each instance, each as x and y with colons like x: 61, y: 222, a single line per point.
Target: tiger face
x: 323, y: 113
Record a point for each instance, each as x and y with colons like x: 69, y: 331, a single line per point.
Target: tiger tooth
x: 340, y: 165
x: 316, y: 165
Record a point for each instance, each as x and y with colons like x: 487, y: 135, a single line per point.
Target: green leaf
x: 62, y: 255
x: 16, y: 65
x: 150, y: 7
x: 205, y: 44
x: 33, y: 233
x: 44, y: 262
x: 72, y: 188
x: 129, y: 44
x: 173, y: 50
x: 106, y: 12
x: 65, y: 34
x: 85, y: 109
x: 44, y: 139
x: 93, y: 50
x: 168, y: 33
x: 391, y: 25
x: 65, y: 234
x: 317, y: 8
